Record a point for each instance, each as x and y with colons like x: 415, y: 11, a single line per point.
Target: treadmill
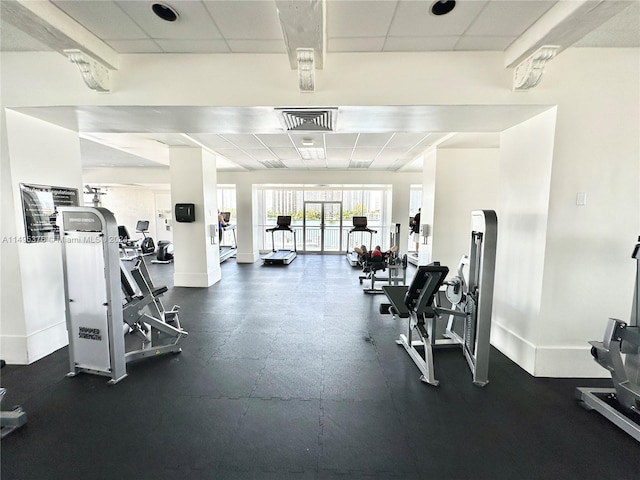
x: 359, y: 225
x: 282, y: 256
x: 228, y: 251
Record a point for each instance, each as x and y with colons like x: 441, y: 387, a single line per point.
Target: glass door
x: 322, y: 224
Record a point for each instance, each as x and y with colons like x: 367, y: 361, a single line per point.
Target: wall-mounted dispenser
x: 185, y: 212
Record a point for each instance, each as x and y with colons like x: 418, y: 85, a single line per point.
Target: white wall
x: 164, y: 217
x: 595, y: 149
x: 33, y: 316
x: 466, y: 180
x: 129, y: 205
x: 13, y: 330
x: 588, y: 272
x: 523, y: 199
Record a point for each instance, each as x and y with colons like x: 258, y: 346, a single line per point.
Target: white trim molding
x: 528, y: 73
x: 94, y: 74
x: 306, y: 69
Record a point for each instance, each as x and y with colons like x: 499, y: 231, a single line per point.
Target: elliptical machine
x: 621, y: 404
x: 147, y: 246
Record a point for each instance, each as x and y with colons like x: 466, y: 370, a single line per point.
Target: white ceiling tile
x: 286, y: 153
x: 232, y: 153
x: 338, y: 165
x: 260, y: 154
x: 623, y: 30
x: 365, y: 154
x: 257, y: 46
x: 389, y: 154
x: 246, y: 19
x: 373, y: 139
x: 193, y: 46
x: 275, y: 140
x: 486, y: 43
x: 406, y: 140
x: 340, y: 140
x: 194, y: 21
x: 105, y: 19
x: 243, y: 140
x: 359, y: 19
x: 415, y: 19
x: 134, y: 46
x: 502, y: 18
x: 339, y: 154
x: 373, y: 44
x: 420, y: 44
x: 314, y: 164
x: 212, y: 141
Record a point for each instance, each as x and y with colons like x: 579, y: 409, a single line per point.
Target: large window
x: 372, y: 201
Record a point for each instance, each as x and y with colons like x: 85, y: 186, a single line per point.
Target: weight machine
x: 620, y: 404
x: 471, y: 305
x: 105, y: 302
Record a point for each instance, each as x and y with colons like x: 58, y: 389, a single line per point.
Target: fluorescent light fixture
x: 312, y: 153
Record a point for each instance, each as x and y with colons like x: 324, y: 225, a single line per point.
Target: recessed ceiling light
x: 312, y: 153
x: 165, y: 12
x: 307, y: 142
x: 442, y: 7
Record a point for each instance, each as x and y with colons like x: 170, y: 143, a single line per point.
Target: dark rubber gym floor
x: 291, y: 373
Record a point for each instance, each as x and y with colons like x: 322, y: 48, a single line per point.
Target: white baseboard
x: 546, y: 361
x: 195, y: 279
x: 247, y: 257
x: 26, y: 349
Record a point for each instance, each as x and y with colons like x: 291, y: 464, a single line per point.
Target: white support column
x: 400, y: 201
x: 196, y: 247
x: 32, y: 295
x: 247, y: 219
x: 427, y: 214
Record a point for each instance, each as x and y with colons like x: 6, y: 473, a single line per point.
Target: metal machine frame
x: 396, y: 269
x: 359, y: 225
x: 620, y: 404
x: 94, y: 283
x: 10, y: 419
x: 471, y: 301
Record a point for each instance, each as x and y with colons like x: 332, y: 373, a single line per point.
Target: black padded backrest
x: 226, y: 216
x: 123, y: 233
x: 359, y: 221
x: 284, y: 220
x: 142, y: 225
x: 425, y: 285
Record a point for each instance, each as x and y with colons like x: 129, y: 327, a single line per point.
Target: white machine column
x: 246, y: 199
x: 196, y: 250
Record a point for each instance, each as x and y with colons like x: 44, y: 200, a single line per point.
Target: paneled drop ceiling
x: 236, y: 27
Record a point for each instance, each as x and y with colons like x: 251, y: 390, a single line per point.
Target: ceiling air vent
x: 360, y: 163
x: 272, y: 163
x: 309, y: 119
